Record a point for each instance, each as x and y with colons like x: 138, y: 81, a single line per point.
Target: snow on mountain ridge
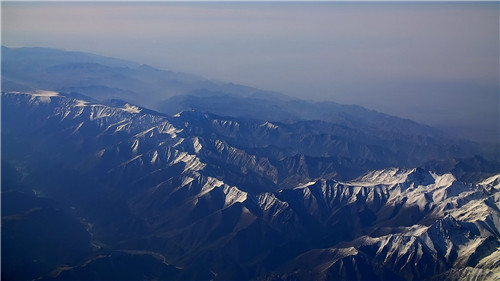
x: 197, y: 145
x: 382, y: 177
x: 493, y: 182
x: 131, y: 108
x: 411, y: 219
x: 39, y: 96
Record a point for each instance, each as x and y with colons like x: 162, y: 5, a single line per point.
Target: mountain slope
x: 102, y: 78
x: 290, y: 110
x: 242, y: 199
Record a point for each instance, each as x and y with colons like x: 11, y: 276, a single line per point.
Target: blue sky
x: 433, y: 62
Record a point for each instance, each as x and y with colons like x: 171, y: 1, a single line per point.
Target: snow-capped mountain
x: 199, y: 196
x: 169, y: 92
x: 102, y: 78
x: 423, y: 225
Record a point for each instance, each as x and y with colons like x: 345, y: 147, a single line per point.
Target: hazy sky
x: 434, y: 62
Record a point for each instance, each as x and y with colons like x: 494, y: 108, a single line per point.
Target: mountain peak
x: 420, y: 176
x: 239, y: 183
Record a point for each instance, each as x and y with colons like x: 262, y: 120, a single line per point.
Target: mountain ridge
x: 103, y: 78
x: 193, y: 189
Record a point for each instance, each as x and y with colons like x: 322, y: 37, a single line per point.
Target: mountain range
x: 117, y: 171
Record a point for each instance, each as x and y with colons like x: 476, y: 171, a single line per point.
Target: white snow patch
x: 269, y: 125
x: 43, y: 93
x: 210, y: 185
x: 390, y: 176
x: 196, y: 144
x: 167, y: 128
x: 186, y: 181
x: 77, y: 128
x: 475, y: 210
x: 79, y: 112
x: 131, y: 160
x: 42, y: 96
x: 100, y: 111
x: 266, y: 200
x: 143, y: 133
x: 493, y: 181
x: 154, y: 158
x: 345, y: 252
x: 225, y: 123
x: 233, y: 195
x: 121, y: 127
x: 100, y: 153
x: 444, y: 180
x: 491, y: 261
x: 305, y: 185
x: 135, y: 145
x: 179, y: 142
x: 131, y: 108
x: 416, y: 230
x: 192, y: 162
x: 82, y: 103
x: 465, y: 251
x: 66, y: 114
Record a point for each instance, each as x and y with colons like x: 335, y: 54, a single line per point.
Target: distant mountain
x: 468, y: 170
x: 25, y: 69
x: 197, y: 196
x: 292, y: 110
x: 104, y: 79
